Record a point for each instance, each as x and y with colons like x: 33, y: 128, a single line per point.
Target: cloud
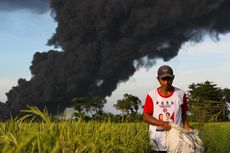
x: 36, y: 6
x: 5, y: 86
x: 101, y: 41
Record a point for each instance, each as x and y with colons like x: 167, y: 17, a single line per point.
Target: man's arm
x: 153, y: 121
x: 185, y: 121
x: 184, y: 113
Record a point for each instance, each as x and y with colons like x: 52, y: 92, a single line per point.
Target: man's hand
x: 166, y: 125
x: 188, y: 127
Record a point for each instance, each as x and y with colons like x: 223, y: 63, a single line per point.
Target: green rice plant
x: 36, y: 112
x: 29, y: 135
x: 216, y: 137
x: 21, y: 135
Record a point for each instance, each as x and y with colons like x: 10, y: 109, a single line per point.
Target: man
x: 165, y: 99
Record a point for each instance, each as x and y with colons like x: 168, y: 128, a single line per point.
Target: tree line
x: 207, y: 102
x: 92, y: 109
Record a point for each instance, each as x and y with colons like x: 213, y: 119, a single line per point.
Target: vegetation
x: 37, y: 132
x: 129, y: 104
x: 92, y: 109
x: 42, y: 134
x: 91, y: 106
x: 216, y: 137
x: 208, y: 102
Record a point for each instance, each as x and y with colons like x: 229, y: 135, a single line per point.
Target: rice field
x: 216, y: 137
x: 47, y: 136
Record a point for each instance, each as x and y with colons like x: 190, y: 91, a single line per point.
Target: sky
x: 22, y: 33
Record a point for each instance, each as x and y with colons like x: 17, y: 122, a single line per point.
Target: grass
x: 216, y: 137
x: 22, y: 135
x: 27, y: 135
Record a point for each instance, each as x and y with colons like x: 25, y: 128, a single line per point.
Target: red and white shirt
x: 166, y: 108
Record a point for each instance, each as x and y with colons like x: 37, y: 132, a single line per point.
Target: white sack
x: 179, y: 140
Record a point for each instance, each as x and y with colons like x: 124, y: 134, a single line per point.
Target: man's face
x: 166, y: 82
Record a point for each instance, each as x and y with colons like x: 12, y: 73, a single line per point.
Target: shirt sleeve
x: 148, y: 107
x: 185, y: 103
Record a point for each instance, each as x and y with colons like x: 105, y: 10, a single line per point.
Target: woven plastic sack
x: 179, y: 140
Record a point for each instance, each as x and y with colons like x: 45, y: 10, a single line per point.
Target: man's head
x: 164, y: 72
x: 165, y: 77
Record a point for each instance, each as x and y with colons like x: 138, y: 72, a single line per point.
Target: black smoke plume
x: 102, y: 39
x: 37, y: 6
